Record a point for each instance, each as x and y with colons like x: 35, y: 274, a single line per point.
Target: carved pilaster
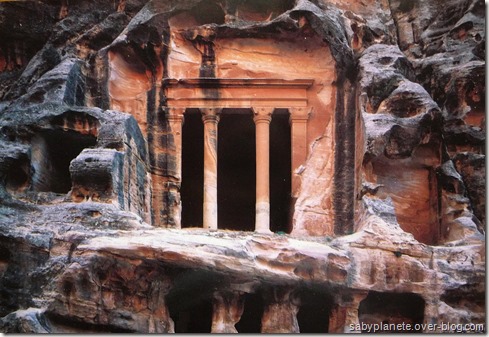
x: 164, y: 140
x: 175, y: 121
x: 298, y: 130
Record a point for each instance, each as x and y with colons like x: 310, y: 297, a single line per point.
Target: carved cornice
x: 238, y: 83
x: 236, y: 92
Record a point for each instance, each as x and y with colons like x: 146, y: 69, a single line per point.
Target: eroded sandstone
x: 241, y: 166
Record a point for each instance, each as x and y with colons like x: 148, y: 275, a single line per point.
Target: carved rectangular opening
x: 414, y: 193
x: 52, y: 152
x: 390, y: 309
x: 191, y: 192
x: 236, y: 171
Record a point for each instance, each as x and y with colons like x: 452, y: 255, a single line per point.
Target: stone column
x: 175, y: 121
x: 345, y: 314
x: 227, y: 308
x: 280, y: 312
x: 298, y: 124
x: 262, y: 118
x: 210, y: 118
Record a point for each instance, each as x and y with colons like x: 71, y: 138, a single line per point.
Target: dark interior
x: 250, y: 321
x: 18, y: 176
x: 192, y: 190
x: 190, y: 301
x: 392, y: 308
x: 236, y: 171
x: 314, y: 312
x: 207, y: 12
x: 280, y: 171
x: 58, y: 149
x: 196, y: 318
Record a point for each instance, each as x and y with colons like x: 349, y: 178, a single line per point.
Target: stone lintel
x: 237, y: 93
x: 236, y: 103
x: 238, y: 82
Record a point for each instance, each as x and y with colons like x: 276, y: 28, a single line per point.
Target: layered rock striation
x: 242, y: 166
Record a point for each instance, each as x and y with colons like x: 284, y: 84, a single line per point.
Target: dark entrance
x: 190, y: 300
x: 52, y: 153
x: 236, y: 171
x: 250, y: 321
x: 313, y: 315
x: 280, y: 171
x: 392, y: 309
x: 191, y: 192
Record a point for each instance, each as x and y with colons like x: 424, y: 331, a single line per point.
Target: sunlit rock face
x: 245, y: 166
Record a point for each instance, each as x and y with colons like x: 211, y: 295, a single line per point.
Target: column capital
x: 210, y: 114
x: 176, y: 111
x: 176, y: 114
x: 300, y: 114
x: 262, y: 114
x: 210, y: 111
x: 263, y: 111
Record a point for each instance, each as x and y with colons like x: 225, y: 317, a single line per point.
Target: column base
x: 263, y: 231
x: 262, y: 220
x: 210, y: 216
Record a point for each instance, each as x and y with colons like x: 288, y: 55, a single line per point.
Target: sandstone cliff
x: 372, y: 117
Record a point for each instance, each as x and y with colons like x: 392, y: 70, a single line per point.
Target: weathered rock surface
x: 385, y: 194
